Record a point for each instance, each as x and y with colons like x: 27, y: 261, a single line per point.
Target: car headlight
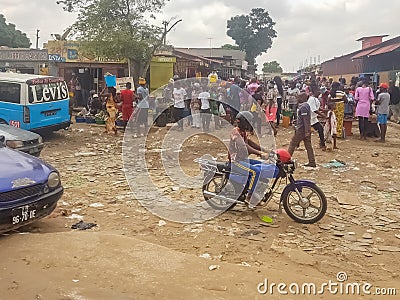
x: 53, y: 180
x: 40, y: 140
x: 15, y: 144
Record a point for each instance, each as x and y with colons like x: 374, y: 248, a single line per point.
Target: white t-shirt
x: 205, y: 103
x: 314, y: 106
x: 179, y: 97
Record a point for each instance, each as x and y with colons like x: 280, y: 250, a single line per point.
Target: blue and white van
x: 34, y: 102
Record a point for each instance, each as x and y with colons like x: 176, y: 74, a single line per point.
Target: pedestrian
x: 256, y: 110
x: 205, y: 110
x: 234, y: 99
x: 179, y: 95
x: 338, y: 96
x: 315, y: 106
x: 142, y: 106
x: 303, y: 130
x: 348, y: 104
x: 330, y: 130
x: 279, y: 98
x: 364, y: 96
x: 127, y: 98
x: 195, y: 105
x: 394, y: 92
x: 271, y: 105
x: 292, y: 93
x: 382, y: 109
x: 252, y: 86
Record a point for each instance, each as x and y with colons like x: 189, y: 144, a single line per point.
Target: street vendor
x: 127, y: 99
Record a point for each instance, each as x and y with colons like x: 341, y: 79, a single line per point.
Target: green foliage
x: 12, y: 37
x: 253, y: 33
x: 118, y: 29
x: 230, y: 47
x: 272, y: 67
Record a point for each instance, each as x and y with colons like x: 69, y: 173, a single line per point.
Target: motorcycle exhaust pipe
x: 220, y: 197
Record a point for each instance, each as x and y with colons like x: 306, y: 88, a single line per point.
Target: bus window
x: 10, y: 92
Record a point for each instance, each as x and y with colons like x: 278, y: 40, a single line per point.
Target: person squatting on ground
x: 303, y: 130
x: 382, y: 110
x: 240, y: 147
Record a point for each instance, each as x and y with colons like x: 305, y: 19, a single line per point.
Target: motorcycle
x: 223, y: 188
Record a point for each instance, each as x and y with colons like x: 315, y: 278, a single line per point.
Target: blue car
x: 29, y: 188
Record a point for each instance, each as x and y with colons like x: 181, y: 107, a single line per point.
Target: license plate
x: 23, y: 214
x: 50, y: 113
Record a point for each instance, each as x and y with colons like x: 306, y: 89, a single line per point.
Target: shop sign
x: 23, y: 55
x: 56, y: 58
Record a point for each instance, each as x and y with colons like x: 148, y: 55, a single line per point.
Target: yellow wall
x: 161, y: 70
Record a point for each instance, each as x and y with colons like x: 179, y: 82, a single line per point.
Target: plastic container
x: 100, y: 121
x: 80, y: 119
x: 90, y: 120
x: 285, y: 121
x: 119, y: 123
x: 111, y: 81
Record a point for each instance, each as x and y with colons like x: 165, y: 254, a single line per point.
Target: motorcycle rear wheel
x: 305, y: 209
x: 219, y: 185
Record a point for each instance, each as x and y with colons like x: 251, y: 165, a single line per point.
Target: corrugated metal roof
x: 363, y: 53
x: 385, y: 49
x: 215, y: 52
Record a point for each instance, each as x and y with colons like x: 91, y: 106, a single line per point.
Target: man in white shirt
x: 315, y: 105
x: 205, y: 110
x: 179, y: 95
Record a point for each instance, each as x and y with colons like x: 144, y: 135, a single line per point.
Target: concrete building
x: 29, y: 61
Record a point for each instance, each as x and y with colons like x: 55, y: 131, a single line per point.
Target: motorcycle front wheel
x: 304, y: 202
x: 220, y: 186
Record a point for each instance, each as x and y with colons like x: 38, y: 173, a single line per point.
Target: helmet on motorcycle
x: 283, y: 155
x: 244, y: 120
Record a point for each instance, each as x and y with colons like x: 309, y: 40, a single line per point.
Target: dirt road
x: 133, y: 254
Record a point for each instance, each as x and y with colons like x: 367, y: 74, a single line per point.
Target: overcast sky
x: 305, y: 28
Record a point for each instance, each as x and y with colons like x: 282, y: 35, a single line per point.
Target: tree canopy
x: 230, y: 47
x: 12, y: 37
x: 253, y: 33
x: 120, y: 29
x: 272, y: 67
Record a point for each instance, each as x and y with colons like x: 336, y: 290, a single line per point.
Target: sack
x: 222, y: 111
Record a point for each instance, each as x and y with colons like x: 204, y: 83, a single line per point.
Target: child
x: 383, y: 110
x: 330, y: 125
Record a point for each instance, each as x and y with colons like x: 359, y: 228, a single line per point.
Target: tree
x: 119, y: 29
x: 253, y: 33
x: 230, y: 47
x: 272, y: 67
x: 12, y: 37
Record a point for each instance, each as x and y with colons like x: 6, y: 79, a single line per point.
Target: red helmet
x: 283, y: 155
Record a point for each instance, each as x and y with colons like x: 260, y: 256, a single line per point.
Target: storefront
x: 29, y: 61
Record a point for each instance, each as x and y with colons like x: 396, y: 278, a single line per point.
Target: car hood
x: 14, y: 133
x: 18, y: 169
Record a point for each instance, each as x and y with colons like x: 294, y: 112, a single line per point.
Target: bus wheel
x: 3, y: 121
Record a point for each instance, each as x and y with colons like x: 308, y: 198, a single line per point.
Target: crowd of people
x: 313, y: 102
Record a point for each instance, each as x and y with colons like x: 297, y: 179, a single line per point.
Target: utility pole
x: 37, y: 38
x: 210, y: 38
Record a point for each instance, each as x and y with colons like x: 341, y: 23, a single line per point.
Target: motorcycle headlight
x: 15, y: 144
x: 53, y: 180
